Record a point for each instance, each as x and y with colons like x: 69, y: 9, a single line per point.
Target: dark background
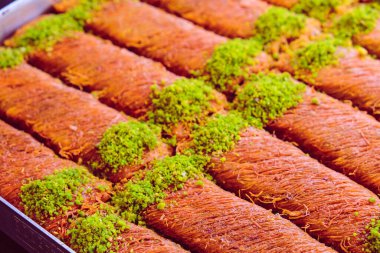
x: 9, y: 246
x: 5, y: 2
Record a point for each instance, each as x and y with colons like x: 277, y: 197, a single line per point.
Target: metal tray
x: 14, y: 223
x: 27, y: 233
x: 15, y: 13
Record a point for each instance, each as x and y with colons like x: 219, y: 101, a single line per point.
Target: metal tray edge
x: 28, y: 233
x: 17, y: 13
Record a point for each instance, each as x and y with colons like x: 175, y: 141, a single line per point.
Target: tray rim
x: 27, y: 233
x: 18, y: 12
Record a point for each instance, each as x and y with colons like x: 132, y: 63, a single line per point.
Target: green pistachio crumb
x: 84, y: 10
x: 267, y: 97
x: 230, y: 61
x: 46, y: 32
x: 183, y: 101
x: 101, y: 188
x: 361, y: 51
x: 43, y: 34
x: 315, y: 56
x: 279, y: 22
x: 172, y: 141
x: 319, y: 9
x: 375, y: 4
x: 97, y: 232
x: 373, y: 237
x: 218, y: 135
x: 11, y: 57
x: 56, y: 193
x: 49, y: 30
x: 315, y: 101
x: 356, y: 214
x: 200, y: 183
x: 372, y: 200
x: 161, y: 206
x: 360, y: 20
x: 124, y: 143
x: 144, y: 190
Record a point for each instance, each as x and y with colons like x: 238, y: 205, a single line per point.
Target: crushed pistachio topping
x: 149, y: 188
x: 315, y: 101
x: 11, y: 57
x: 231, y: 61
x: 85, y: 9
x: 375, y: 5
x: 97, y: 232
x: 124, y: 143
x: 360, y: 20
x: 46, y: 32
x: 43, y: 34
x: 319, y: 9
x: 267, y: 97
x: 218, y: 135
x: 279, y: 22
x: 56, y: 193
x: 49, y: 30
x: 183, y: 101
x: 373, y: 238
x: 308, y: 60
x: 372, y: 200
